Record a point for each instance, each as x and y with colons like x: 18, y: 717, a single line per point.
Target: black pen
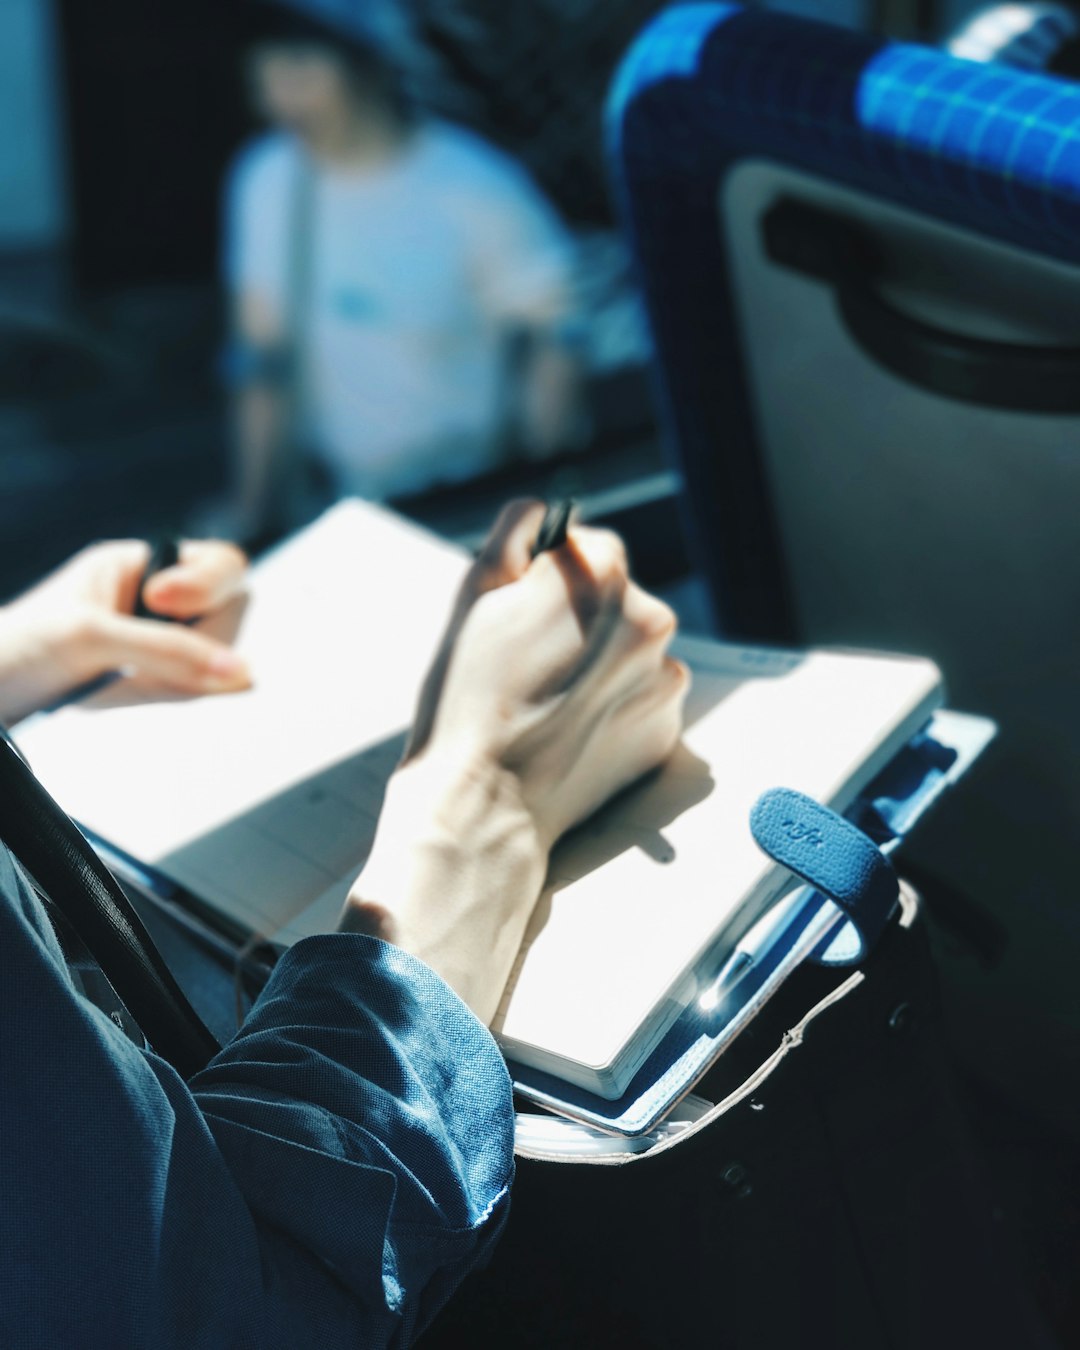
x: 164, y: 554
x: 553, y: 527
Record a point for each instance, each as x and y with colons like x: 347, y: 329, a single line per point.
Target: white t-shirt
x: 416, y: 272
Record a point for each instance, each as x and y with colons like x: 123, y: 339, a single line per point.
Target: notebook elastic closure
x: 836, y: 858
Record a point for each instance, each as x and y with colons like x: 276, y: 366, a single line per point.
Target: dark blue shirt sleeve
x: 327, y: 1180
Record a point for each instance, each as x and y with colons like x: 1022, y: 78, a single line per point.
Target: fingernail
x: 167, y: 575
x: 228, y: 665
x: 180, y: 574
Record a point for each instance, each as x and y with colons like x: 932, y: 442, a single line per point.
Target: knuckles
x: 678, y: 676
x: 605, y: 554
x: 671, y: 684
x: 513, y: 513
x: 510, y: 519
x: 111, y: 553
x: 663, y: 621
x: 648, y: 619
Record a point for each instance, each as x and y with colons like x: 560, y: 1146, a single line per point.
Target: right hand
x: 554, y: 675
x: 552, y: 691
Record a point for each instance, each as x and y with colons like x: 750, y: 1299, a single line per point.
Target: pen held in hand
x: 553, y: 527
x: 551, y: 535
x: 164, y: 553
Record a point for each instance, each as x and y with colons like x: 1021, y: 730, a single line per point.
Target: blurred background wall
x: 33, y: 204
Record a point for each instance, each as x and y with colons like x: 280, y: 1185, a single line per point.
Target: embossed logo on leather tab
x: 799, y: 833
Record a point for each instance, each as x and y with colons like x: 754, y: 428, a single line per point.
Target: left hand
x: 79, y: 624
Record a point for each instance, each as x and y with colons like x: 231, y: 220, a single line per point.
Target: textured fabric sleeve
x: 327, y: 1181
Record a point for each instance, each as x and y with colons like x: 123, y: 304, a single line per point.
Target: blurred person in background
x: 401, y: 291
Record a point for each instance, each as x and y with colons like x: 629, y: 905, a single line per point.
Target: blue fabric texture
x: 327, y: 1180
x: 707, y: 87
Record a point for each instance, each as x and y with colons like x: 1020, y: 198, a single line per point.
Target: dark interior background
x: 155, y: 107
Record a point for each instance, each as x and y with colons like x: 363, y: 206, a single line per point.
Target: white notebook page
x: 263, y: 804
x: 257, y: 801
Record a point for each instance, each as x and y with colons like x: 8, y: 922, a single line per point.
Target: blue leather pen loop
x: 837, y: 859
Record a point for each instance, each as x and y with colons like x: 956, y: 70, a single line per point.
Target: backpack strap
x: 65, y: 868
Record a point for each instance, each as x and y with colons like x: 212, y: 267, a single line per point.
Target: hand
x: 552, y: 691
x: 78, y: 624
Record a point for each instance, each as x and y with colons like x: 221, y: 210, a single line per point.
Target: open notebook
x: 262, y: 805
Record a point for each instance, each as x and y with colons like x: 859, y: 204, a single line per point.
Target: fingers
x: 107, y: 574
x: 607, y: 641
x: 626, y: 631
x: 590, y: 569
x: 602, y: 552
x: 504, y: 558
x: 619, y: 739
x: 656, y: 705
x: 168, y: 654
x: 649, y: 721
x: 650, y: 619
x: 507, y: 551
x: 209, y: 573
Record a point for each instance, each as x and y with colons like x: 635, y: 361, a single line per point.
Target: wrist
x: 454, y: 873
x: 32, y: 662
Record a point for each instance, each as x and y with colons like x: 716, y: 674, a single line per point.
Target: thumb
x: 207, y: 576
x: 173, y: 655
x: 504, y: 559
x: 507, y: 551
